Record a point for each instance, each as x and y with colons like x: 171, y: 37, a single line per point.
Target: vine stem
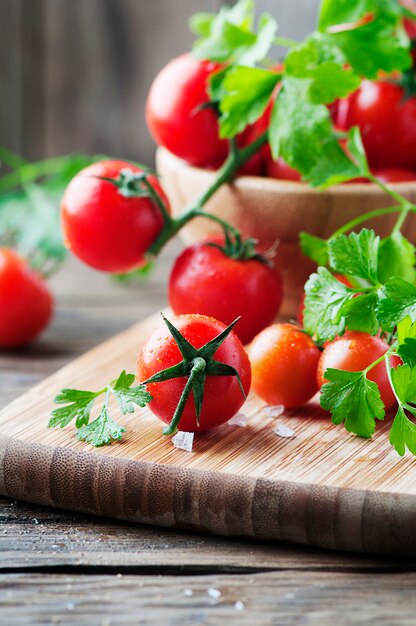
x: 366, y: 216
x: 235, y: 160
x: 404, y: 204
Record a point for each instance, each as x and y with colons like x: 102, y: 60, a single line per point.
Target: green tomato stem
x: 235, y: 160
x: 198, y: 367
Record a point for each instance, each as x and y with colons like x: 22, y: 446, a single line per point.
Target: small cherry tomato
x: 223, y: 396
x: 355, y: 351
x: 394, y: 175
x: 284, y: 362
x: 281, y: 170
x: 176, y: 112
x: 105, y: 228
x: 387, y: 121
x: 205, y: 280
x: 26, y: 304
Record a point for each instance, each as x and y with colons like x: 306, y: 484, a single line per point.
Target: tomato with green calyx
x: 177, y: 114
x: 284, y: 363
x: 197, y: 372
x: 387, y: 121
x: 111, y: 214
x: 225, y: 282
x: 354, y: 352
x: 26, y: 303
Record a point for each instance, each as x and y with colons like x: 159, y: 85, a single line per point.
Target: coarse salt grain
x: 239, y: 419
x: 273, y: 410
x: 284, y: 431
x: 183, y: 440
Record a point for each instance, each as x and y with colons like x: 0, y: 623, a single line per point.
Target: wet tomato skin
x: 284, y: 363
x: 105, y: 229
x: 222, y: 396
x: 205, y: 280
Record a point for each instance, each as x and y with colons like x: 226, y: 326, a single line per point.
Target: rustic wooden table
x: 61, y: 568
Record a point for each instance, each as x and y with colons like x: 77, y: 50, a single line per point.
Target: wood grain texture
x: 321, y: 488
x: 265, y: 599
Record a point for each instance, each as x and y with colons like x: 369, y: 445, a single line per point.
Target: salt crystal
x: 70, y: 606
x: 214, y: 593
x: 273, y: 410
x: 188, y: 592
x: 239, y: 605
x: 183, y: 440
x: 284, y: 431
x: 239, y: 419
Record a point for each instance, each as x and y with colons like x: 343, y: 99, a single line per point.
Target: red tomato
x: 301, y: 307
x: 355, y: 351
x: 284, y: 361
x: 174, y: 114
x: 105, y: 229
x: 25, y: 302
x: 280, y: 169
x: 205, y: 280
x: 394, y: 175
x: 387, y: 122
x: 222, y: 397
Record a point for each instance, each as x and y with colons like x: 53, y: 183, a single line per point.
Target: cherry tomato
x: 205, y: 280
x: 281, y: 170
x: 301, y: 308
x: 222, y: 396
x: 25, y: 302
x: 355, y: 351
x: 175, y: 114
x: 103, y: 227
x: 387, y: 121
x: 394, y: 175
x: 284, y: 362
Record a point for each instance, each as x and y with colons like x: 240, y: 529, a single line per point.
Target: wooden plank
x: 44, y: 539
x: 273, y: 598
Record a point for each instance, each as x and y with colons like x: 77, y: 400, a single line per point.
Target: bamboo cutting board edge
x: 237, y: 482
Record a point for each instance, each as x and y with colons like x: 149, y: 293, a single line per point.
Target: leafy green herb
x: 360, y: 313
x: 352, y: 399
x: 396, y: 257
x: 397, y: 301
x: 324, y: 302
x: 355, y: 254
x: 228, y: 36
x: 104, y: 428
x: 314, y: 247
x: 245, y: 93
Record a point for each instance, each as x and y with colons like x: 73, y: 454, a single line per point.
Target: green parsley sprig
x: 79, y: 403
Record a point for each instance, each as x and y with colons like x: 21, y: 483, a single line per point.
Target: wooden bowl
x: 277, y: 210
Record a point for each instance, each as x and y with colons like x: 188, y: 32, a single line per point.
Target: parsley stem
x: 285, y: 42
x: 389, y: 376
x: 367, y: 216
x: 402, y: 217
x: 400, y: 199
x: 376, y: 362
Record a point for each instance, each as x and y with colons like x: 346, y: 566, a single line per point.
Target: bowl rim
x: 271, y: 185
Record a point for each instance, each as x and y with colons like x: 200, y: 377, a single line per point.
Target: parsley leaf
x: 355, y: 254
x: 407, y: 351
x: 79, y: 404
x: 397, y: 301
x: 245, y: 94
x: 406, y: 329
x: 360, y: 313
x: 314, y: 247
x: 397, y: 258
x: 404, y: 381
x: 127, y: 396
x: 369, y: 33
x: 301, y: 132
x: 352, y: 399
x: 227, y: 36
x: 104, y: 428
x: 403, y: 433
x: 324, y: 302
x: 323, y: 65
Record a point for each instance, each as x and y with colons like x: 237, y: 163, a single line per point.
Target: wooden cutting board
x: 322, y: 487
